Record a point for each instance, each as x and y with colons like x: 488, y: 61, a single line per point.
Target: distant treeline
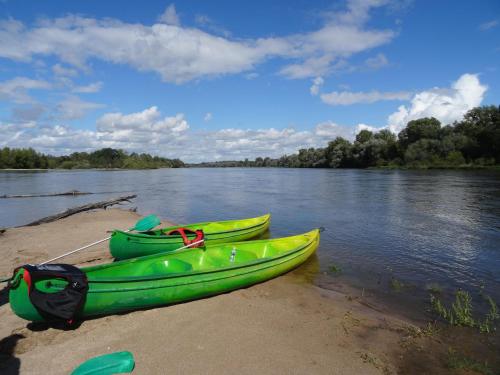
x: 424, y: 143
x: 27, y: 158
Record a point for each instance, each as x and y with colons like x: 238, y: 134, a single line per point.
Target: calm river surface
x: 418, y: 227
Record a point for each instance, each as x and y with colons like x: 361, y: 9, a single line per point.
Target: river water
x: 383, y: 228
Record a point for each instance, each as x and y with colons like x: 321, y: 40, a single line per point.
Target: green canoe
x: 168, y: 278
x: 125, y: 245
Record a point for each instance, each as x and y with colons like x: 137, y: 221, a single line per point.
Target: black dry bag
x: 62, y: 305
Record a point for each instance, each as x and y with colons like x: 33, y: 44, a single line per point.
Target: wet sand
x: 283, y: 326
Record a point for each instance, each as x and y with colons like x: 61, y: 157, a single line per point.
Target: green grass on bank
x: 461, y: 312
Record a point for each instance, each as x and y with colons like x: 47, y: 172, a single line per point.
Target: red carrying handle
x: 200, y: 236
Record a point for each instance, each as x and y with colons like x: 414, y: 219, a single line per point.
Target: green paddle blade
x: 107, y: 364
x: 146, y: 223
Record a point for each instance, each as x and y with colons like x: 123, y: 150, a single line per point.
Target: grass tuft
x: 460, y: 313
x: 462, y: 309
x: 487, y: 325
x: 434, y: 288
x: 335, y: 269
x: 456, y: 361
x: 396, y: 285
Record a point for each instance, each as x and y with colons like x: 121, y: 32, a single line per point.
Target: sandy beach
x: 284, y: 326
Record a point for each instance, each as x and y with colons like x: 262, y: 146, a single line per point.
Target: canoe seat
x: 268, y: 251
x: 242, y: 256
x: 167, y: 266
x: 227, y: 258
x: 216, y: 258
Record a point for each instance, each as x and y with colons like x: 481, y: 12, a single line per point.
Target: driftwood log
x: 71, y: 192
x: 86, y: 207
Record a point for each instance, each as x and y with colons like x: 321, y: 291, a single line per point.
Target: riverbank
x: 237, y: 164
x: 286, y: 325
x: 450, y: 167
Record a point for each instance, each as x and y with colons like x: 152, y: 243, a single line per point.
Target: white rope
x: 79, y: 249
x: 105, y: 239
x: 98, y: 242
x: 191, y: 244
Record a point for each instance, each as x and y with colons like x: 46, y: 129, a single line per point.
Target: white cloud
x: 62, y: 71
x: 202, y: 19
x: 148, y: 121
x: 52, y: 139
x: 170, y: 16
x: 310, y: 67
x: 208, y: 116
x: 206, y: 22
x: 28, y: 113
x: 377, y: 61
x: 179, y: 54
x: 251, y: 76
x: 12, y: 134
x: 360, y: 127
x: 90, y: 88
x: 447, y: 105
x: 72, y: 107
x: 488, y: 25
x: 349, y: 97
x: 329, y: 130
x: 317, y: 83
x: 357, y: 11
x: 63, y: 139
x: 343, y: 35
x: 145, y: 131
x: 238, y: 144
x: 16, y: 89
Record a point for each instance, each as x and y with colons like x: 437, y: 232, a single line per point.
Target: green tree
x: 424, y: 128
x: 423, y: 153
x: 107, y: 158
x: 364, y: 136
x: 455, y: 158
x: 482, y: 126
x: 339, y: 153
x: 385, y: 135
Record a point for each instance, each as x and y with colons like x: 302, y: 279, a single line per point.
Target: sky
x: 226, y: 80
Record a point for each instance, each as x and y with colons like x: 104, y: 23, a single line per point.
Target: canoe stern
x: 19, y: 299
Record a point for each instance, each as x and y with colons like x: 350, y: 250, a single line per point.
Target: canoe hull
x: 125, y: 245
x: 108, y: 297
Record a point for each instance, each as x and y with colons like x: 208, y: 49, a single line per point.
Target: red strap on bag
x: 27, y: 279
x: 199, y: 236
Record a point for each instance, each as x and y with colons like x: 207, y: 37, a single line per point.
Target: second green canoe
x: 124, y: 245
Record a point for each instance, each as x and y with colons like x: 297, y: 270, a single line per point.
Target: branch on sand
x: 86, y: 207
x: 71, y: 192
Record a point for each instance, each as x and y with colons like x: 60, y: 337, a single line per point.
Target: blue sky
x: 229, y: 80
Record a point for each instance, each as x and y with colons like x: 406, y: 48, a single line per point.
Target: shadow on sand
x: 4, y: 296
x: 9, y: 364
